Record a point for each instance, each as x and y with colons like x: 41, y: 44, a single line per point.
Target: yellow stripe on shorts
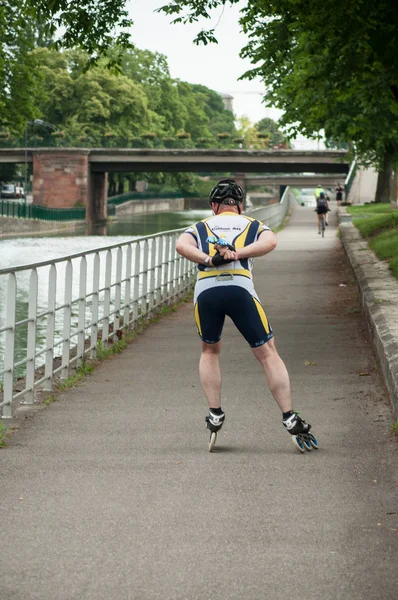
x: 216, y: 273
x: 197, y: 319
x: 262, y: 314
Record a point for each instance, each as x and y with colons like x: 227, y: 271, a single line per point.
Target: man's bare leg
x: 276, y: 374
x: 210, y: 374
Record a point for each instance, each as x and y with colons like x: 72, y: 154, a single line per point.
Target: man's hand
x: 227, y: 254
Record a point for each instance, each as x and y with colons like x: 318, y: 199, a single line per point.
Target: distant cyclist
x: 322, y: 209
x: 224, y: 246
x: 319, y: 190
x: 339, y: 193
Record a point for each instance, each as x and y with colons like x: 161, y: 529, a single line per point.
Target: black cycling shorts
x: 246, y: 312
x: 322, y: 211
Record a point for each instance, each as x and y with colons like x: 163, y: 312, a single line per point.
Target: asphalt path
x: 111, y: 493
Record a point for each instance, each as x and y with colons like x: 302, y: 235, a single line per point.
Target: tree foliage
x: 330, y: 65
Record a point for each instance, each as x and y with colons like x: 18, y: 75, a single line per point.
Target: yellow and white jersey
x: 238, y: 230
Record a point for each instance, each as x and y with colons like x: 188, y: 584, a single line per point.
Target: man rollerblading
x: 224, y: 246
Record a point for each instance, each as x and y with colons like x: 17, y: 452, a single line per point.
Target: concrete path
x: 110, y: 493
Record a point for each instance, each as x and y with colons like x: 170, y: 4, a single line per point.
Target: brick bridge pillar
x: 62, y: 179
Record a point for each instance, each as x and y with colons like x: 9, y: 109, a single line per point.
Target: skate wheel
x: 213, y: 437
x: 307, y: 443
x: 313, y: 441
x: 298, y: 443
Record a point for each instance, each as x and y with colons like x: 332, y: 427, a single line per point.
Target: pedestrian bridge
x: 66, y: 177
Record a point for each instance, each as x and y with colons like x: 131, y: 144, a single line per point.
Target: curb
x: 379, y: 296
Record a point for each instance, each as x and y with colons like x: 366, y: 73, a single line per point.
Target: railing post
x: 107, y: 299
x: 151, y: 295
x: 67, y: 320
x: 82, y: 311
x: 118, y: 293
x: 31, y: 342
x: 52, y: 294
x: 159, y: 274
x: 179, y: 273
x: 136, y: 286
x: 144, y: 290
x: 10, y: 345
x: 172, y: 286
x: 95, y: 306
x: 127, y: 289
x: 165, y: 288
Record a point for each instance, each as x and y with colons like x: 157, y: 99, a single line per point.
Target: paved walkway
x: 110, y: 493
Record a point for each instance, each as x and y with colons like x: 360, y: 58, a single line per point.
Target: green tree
x: 270, y: 127
x: 25, y: 24
x: 95, y: 105
x: 330, y: 65
x: 151, y: 70
x: 16, y: 67
x: 249, y: 133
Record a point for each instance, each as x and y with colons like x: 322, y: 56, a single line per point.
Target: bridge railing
x: 54, y: 314
x: 21, y: 210
x: 350, y: 179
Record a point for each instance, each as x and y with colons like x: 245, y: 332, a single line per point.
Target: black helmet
x: 227, y: 191
x: 322, y: 195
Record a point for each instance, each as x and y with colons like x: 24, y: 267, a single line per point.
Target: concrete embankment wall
x: 363, y: 188
x: 378, y: 291
x: 273, y: 215
x: 149, y: 206
x: 12, y: 226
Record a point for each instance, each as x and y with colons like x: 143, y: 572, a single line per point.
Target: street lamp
x: 35, y: 122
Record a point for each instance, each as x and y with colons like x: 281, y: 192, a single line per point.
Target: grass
x: 379, y: 224
x: 71, y: 382
x: 394, y: 428
x: 3, y: 434
x: 369, y: 209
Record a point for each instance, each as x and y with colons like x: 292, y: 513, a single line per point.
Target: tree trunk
x: 384, y: 180
x: 394, y: 190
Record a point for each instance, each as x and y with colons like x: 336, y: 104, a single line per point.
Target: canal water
x: 27, y: 250
x: 20, y: 251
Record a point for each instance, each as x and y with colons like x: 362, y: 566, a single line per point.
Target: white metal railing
x: 54, y: 313
x: 274, y: 214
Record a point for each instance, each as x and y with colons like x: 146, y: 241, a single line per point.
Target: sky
x: 217, y: 66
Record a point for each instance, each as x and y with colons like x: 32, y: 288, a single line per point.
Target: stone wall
x: 149, y: 206
x: 13, y: 227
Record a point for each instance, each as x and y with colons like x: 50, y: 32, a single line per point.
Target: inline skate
x: 302, y: 437
x: 214, y: 423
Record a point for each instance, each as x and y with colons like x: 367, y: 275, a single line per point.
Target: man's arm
x: 187, y: 247
x: 264, y: 244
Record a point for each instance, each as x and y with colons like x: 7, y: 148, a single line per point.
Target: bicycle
x: 322, y: 225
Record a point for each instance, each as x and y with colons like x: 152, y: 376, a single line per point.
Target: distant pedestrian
x: 339, y: 194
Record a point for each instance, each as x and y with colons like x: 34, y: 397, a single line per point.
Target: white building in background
x: 227, y: 101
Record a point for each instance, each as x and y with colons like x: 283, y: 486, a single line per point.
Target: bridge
x: 64, y: 177
x: 302, y: 180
